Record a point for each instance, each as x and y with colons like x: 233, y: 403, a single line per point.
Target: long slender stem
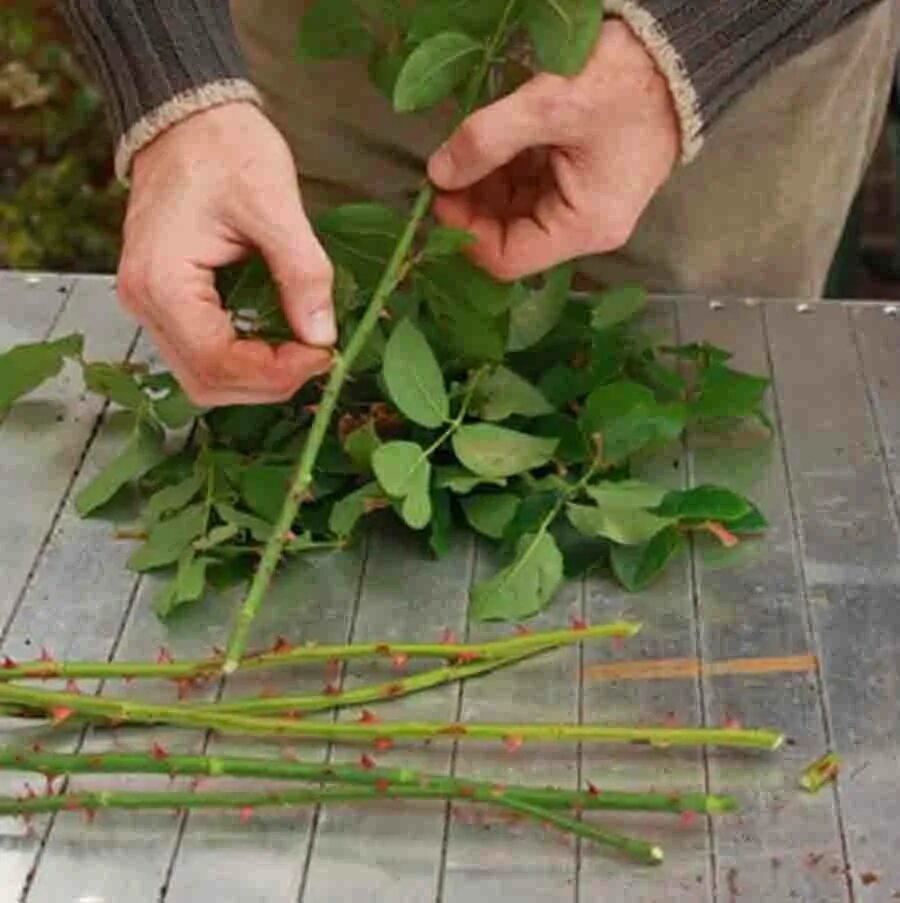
x: 288, y: 656
x: 248, y: 801
x: 64, y: 705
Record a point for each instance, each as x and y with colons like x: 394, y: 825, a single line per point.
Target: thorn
x: 383, y: 744
x: 268, y: 693
x: 366, y: 762
x: 128, y: 680
x: 332, y: 690
x: 37, y: 748
x: 184, y: 686
x: 618, y: 643
x: 578, y: 623
x: 448, y: 637
x: 687, y: 819
x: 399, y: 661
x: 367, y: 717
x: 158, y: 751
x: 245, y: 814
x: 195, y: 784
x: 30, y: 792
x: 8, y: 663
x: 218, y: 651
x: 465, y: 658
x: 332, y: 669
x: 281, y: 645
x: 459, y: 730
x: 512, y: 744
x: 383, y: 649
x: 733, y: 724
x: 382, y: 785
x: 164, y: 657
x: 671, y: 721
x: 46, y: 656
x: 498, y: 789
x: 72, y: 687
x: 593, y: 790
x: 288, y: 536
x: 288, y: 755
x: 89, y: 815
x: 522, y: 630
x: 394, y: 690
x: 61, y: 713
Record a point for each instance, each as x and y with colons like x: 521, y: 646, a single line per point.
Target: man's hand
x: 204, y: 193
x: 562, y: 167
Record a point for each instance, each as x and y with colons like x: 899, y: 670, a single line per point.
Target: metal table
x: 825, y: 584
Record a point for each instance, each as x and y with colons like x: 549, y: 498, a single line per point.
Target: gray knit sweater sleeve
x: 161, y: 60
x: 157, y: 62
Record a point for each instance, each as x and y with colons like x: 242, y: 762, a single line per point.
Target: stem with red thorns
x: 58, y: 764
x: 286, y: 656
x: 134, y: 712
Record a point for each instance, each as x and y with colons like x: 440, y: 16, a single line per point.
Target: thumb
x: 490, y: 138
x: 301, y: 270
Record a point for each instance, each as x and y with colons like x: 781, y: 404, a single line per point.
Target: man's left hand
x: 562, y: 167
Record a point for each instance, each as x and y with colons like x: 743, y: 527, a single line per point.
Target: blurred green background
x: 61, y: 207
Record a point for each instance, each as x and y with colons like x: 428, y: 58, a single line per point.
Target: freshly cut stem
x: 62, y: 706
x: 311, y: 654
x: 821, y: 772
x: 162, y: 763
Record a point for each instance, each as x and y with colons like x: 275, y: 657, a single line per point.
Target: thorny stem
x: 247, y: 802
x: 311, y: 653
x: 163, y: 763
x: 303, y: 475
x: 62, y: 706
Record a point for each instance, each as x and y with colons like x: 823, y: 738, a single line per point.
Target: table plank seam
x: 803, y: 581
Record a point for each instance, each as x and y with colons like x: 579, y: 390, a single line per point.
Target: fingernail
x: 320, y: 327
x: 440, y: 168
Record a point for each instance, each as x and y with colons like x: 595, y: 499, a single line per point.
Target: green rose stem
x: 284, y: 656
x: 247, y: 802
x: 62, y: 706
x: 303, y: 475
x: 53, y: 765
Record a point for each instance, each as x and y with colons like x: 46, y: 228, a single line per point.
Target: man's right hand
x: 204, y: 194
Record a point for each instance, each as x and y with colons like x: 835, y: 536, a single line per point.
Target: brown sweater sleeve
x: 711, y: 51
x: 157, y: 62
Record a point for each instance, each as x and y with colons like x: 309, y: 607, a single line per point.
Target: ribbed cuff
x: 158, y: 61
x: 712, y: 51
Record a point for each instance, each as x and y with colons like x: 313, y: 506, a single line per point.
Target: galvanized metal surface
x: 825, y: 580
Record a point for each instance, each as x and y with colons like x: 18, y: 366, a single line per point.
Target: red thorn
x: 245, y: 814
x: 498, y: 789
x: 71, y: 806
x: 281, y: 646
x: 522, y: 630
x: 732, y: 723
x: 383, y: 649
x: 46, y: 656
x: 367, y: 717
x: 394, y: 690
x: 289, y: 536
x: 37, y: 748
x: 89, y: 815
x: 670, y: 720
x: 454, y: 729
x: 195, y: 784
x: 295, y: 715
x: 448, y: 637
x: 618, y: 643
x: 465, y: 657
x: 366, y: 762
x: 72, y: 687
x: 218, y: 651
x: 593, y: 790
x: 128, y: 680
x: 332, y: 690
x: 513, y: 743
x: 383, y: 744
x: 268, y: 693
x: 382, y: 785
x: 158, y: 751
x: 399, y: 661
x: 184, y: 686
x: 578, y: 623
x: 8, y: 663
x: 96, y: 761
x: 30, y: 792
x: 467, y: 791
x: 332, y: 669
x: 60, y: 713
x: 688, y: 819
x: 164, y: 657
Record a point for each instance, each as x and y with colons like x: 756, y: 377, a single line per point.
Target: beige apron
x: 759, y: 212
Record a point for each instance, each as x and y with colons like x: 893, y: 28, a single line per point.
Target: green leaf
x: 115, y: 382
x: 259, y: 529
x: 413, y: 377
x: 434, y: 69
x: 462, y: 481
x: 445, y: 242
x: 430, y: 17
x: 385, y: 65
x: 494, y: 451
x: 700, y: 352
x: 636, y: 567
x: 471, y: 336
x: 404, y: 471
x: 611, y: 402
x: 704, y: 503
x: 188, y: 584
x: 455, y: 281
x: 502, y: 393
x: 525, y: 586
x: 723, y: 392
x: 632, y: 494
x: 360, y: 238
x: 173, y: 498
x: 490, y: 515
x: 563, y: 32
x: 217, y: 536
x: 25, y: 367
x: 627, y: 526
x: 252, y: 297
x: 573, y: 444
x: 562, y: 384
x: 264, y: 487
x: 751, y: 523
x: 348, y: 511
x: 142, y: 453
x: 533, y: 513
x: 169, y: 538
x: 332, y: 29
x: 169, y: 403
x: 581, y: 554
x: 536, y: 313
x: 618, y: 305
x: 361, y: 444
x: 441, y: 523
